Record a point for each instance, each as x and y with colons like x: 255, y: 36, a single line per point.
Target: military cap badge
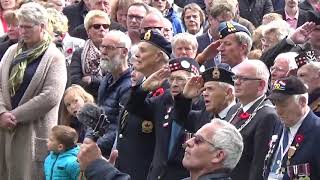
x: 216, y: 73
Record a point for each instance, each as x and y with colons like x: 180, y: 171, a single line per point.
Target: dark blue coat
x: 306, y: 152
x: 110, y: 95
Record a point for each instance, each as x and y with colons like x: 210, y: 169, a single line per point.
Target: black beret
x: 184, y: 63
x: 285, y: 87
x: 155, y: 38
x: 230, y: 27
x: 305, y: 58
x: 218, y: 73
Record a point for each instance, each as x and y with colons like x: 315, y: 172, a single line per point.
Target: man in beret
x: 236, y: 43
x: 136, y: 136
x: 218, y: 93
x: 309, y: 73
x: 167, y: 158
x: 255, y: 119
x: 293, y: 149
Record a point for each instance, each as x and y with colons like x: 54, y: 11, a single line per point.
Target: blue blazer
x: 306, y: 152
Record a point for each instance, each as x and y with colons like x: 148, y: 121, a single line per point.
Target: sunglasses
x: 98, y: 26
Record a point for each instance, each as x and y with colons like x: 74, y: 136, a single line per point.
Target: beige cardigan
x: 23, y: 150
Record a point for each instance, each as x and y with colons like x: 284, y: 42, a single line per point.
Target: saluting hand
x: 156, y: 79
x: 209, y: 52
x: 194, y: 87
x: 302, y: 34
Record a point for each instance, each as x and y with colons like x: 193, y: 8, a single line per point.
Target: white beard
x: 109, y: 65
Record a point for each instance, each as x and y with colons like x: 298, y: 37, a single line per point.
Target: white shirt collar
x: 222, y: 114
x: 248, y: 106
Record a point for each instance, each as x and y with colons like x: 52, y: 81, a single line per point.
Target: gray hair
x: 123, y: 38
x: 186, y: 38
x: 226, y: 86
x: 33, y: 12
x: 228, y: 139
x: 244, y: 38
x: 289, y: 57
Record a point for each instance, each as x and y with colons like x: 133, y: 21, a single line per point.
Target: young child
x: 62, y: 163
x: 74, y: 98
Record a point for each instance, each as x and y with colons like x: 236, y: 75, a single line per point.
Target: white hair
x: 33, y: 12
x: 289, y: 57
x: 244, y: 39
x: 123, y: 38
x: 228, y: 139
x: 186, y: 38
x: 297, y: 97
x: 280, y: 27
x: 226, y: 86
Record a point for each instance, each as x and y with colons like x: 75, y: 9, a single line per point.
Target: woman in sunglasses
x: 85, y: 62
x: 32, y: 78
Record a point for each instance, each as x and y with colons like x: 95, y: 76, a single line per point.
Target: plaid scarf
x: 22, y: 58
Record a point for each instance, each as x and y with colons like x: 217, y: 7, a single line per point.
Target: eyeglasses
x: 26, y: 27
x: 98, y: 26
x: 178, y: 79
x: 242, y: 78
x: 198, y: 139
x: 109, y: 47
x: 138, y: 18
x: 273, y: 68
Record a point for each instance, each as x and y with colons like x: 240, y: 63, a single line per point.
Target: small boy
x: 62, y: 163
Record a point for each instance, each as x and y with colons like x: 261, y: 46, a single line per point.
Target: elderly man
x: 115, y: 86
x: 255, y: 119
x: 167, y: 158
x: 218, y: 96
x: 236, y: 43
x: 293, y: 150
x: 136, y: 13
x: 136, y: 136
x: 309, y: 73
x: 152, y: 20
x: 284, y: 64
x: 213, y: 151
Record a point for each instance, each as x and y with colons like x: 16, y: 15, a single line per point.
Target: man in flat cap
x: 136, y: 136
x: 309, y: 73
x: 218, y: 93
x: 167, y: 158
x: 236, y: 43
x: 293, y: 149
x: 255, y: 119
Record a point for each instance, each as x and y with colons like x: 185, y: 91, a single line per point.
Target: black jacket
x: 216, y: 175
x: 75, y: 14
x: 102, y: 170
x: 253, y: 10
x: 304, y: 16
x: 161, y: 112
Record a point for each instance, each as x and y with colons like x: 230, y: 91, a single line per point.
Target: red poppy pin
x: 69, y: 50
x: 299, y: 138
x: 158, y: 92
x: 244, y: 116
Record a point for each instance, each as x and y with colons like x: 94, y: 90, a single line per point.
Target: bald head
x: 153, y: 20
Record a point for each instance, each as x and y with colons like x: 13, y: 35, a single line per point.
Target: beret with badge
x: 230, y: 27
x: 305, y: 58
x: 184, y: 63
x: 286, y: 87
x: 219, y: 73
x: 155, y: 38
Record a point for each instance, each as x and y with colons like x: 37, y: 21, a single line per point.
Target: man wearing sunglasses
x: 213, y: 151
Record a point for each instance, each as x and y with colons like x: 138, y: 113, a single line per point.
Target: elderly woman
x: 184, y: 45
x: 193, y: 19
x: 85, y: 62
x: 32, y: 78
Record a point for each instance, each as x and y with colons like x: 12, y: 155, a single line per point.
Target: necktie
x: 281, y: 151
x: 237, y: 118
x: 175, y: 131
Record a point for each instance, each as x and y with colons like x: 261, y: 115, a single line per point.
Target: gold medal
x: 147, y: 126
x: 291, y: 151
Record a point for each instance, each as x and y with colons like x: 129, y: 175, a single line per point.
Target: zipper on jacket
x: 51, y: 175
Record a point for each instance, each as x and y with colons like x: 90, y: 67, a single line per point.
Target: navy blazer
x: 306, y: 152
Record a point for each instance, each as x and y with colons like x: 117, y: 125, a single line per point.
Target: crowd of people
x: 179, y: 89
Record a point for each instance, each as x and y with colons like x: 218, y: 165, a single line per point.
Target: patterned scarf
x: 22, y: 58
x: 90, y: 58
